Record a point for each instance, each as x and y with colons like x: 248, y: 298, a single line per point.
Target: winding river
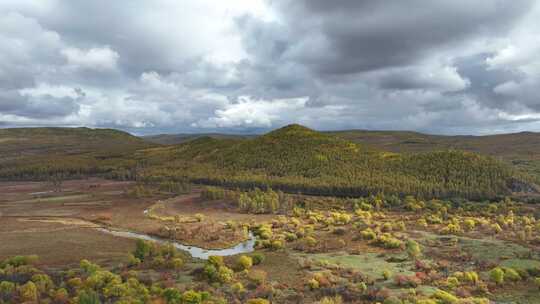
x: 246, y: 246
x: 196, y: 252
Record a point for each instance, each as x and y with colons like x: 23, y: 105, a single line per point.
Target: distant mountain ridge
x: 174, y: 139
x: 398, y: 141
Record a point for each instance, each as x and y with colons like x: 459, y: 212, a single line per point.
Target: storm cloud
x: 252, y: 65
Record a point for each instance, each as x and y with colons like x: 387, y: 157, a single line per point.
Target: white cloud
x: 252, y: 113
x: 57, y: 91
x: 101, y: 59
x: 426, y: 76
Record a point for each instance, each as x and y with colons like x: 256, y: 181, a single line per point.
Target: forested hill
x: 522, y: 150
x: 298, y: 159
x: 38, y: 153
x: 519, y: 149
x: 29, y: 141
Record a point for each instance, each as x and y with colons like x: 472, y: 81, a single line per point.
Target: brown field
x: 60, y: 243
x: 35, y: 220
x: 60, y: 226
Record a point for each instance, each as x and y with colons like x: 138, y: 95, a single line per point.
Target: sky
x: 248, y: 66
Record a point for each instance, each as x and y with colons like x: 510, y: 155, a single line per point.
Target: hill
x: 521, y: 150
x: 34, y: 141
x: 295, y: 158
x: 34, y: 153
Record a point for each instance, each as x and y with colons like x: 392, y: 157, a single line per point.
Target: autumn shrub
x: 277, y: 244
x: 224, y: 274
x: 310, y: 241
x: 43, y: 282
x: 451, y: 229
x: 386, y: 240
x: 238, y: 288
x: 177, y: 263
x: 75, y: 283
x: 386, y: 274
x: 194, y: 297
x: 216, y: 260
x: 400, y: 226
x: 199, y: 217
x: 387, y: 227
x: 496, y: 275
x: 7, y: 290
x: 445, y: 297
x: 471, y: 277
x: 172, y: 296
x: 28, y: 292
x: 434, y: 219
x: 313, y: 284
x: 331, y: 300
x: 496, y: 228
x: 341, y: 218
x: 290, y: 237
x: 413, y: 249
x: 244, y: 262
x: 88, y: 267
x: 368, y: 234
x: 213, y: 193
x: 133, y: 261
x: 469, y: 224
x: 257, y: 301
x: 452, y: 282
x: 511, y: 274
x: 264, y: 232
x: 422, y: 222
x: 19, y: 260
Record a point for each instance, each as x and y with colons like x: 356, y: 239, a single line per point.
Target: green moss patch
x: 369, y: 263
x: 521, y: 264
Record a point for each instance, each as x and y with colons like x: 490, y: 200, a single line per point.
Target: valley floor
x: 362, y: 256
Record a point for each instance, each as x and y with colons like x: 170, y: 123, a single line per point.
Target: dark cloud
x: 350, y: 36
x: 39, y: 107
x: 485, y: 80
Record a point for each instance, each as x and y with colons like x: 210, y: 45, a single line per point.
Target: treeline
x: 114, y: 166
x: 467, y: 179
